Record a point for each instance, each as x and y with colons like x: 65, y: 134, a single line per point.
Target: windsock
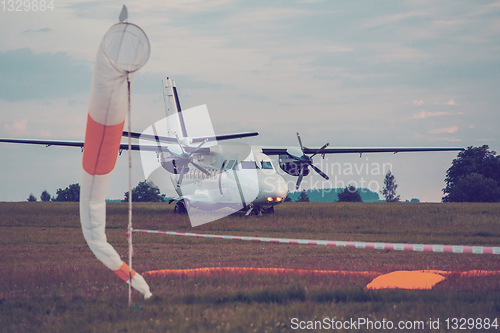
x: 124, y: 49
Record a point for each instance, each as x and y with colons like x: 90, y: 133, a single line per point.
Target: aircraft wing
x: 284, y: 151
x: 47, y: 143
x: 267, y: 151
x: 123, y: 146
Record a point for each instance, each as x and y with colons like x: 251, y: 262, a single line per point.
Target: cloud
x: 450, y: 102
x: 448, y: 130
x: 257, y: 98
x: 151, y: 83
x: 29, y: 31
x: 309, y: 1
x: 397, y: 53
x: 425, y: 114
x: 94, y: 9
x: 302, y: 96
x: 267, y: 15
x: 394, y: 19
x: 19, y: 128
x: 452, y: 139
x: 27, y: 75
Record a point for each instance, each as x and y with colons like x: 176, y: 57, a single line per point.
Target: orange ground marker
x: 416, y: 280
x: 405, y: 280
x: 210, y: 271
x: 419, y: 280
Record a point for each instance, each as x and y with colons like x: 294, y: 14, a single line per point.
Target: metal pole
x: 130, y: 249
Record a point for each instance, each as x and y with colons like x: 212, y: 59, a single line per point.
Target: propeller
x: 185, y: 158
x: 305, y: 162
x: 181, y: 161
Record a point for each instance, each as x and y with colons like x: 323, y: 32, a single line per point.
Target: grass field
x: 51, y: 282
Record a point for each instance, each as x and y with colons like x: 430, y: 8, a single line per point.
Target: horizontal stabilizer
x: 159, y: 138
x: 228, y: 136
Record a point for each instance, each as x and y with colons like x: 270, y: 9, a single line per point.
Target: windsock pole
x: 130, y: 249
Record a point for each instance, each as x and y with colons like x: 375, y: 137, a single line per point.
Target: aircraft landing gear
x: 258, y: 211
x: 180, y: 208
x: 254, y: 211
x: 269, y: 210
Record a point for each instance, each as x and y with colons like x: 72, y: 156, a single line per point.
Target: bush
x: 349, y: 194
x: 45, y: 196
x: 145, y: 192
x: 474, y: 176
x: 70, y: 193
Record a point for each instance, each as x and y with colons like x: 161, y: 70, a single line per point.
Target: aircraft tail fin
x: 196, y: 120
x: 175, y: 120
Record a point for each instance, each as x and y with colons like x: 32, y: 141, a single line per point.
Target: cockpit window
x: 249, y: 165
x: 266, y: 165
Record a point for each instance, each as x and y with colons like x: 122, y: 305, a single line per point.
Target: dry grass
x: 50, y: 281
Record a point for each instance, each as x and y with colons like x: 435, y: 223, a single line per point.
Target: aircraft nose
x: 273, y: 186
x: 282, y: 188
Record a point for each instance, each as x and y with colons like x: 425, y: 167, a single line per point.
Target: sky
x: 352, y: 73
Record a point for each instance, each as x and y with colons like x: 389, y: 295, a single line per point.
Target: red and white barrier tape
x: 349, y: 244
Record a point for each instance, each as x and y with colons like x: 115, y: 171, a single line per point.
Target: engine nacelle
x: 293, y: 168
x: 171, y: 167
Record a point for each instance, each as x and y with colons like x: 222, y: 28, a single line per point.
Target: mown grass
x: 51, y: 282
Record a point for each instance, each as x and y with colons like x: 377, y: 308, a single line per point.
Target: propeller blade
x: 319, y: 150
x: 179, y: 143
x: 181, y: 176
x: 321, y: 173
x: 220, y: 176
x: 199, y: 146
x: 301, y: 175
x: 300, y: 142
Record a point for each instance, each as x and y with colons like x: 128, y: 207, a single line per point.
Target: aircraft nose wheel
x: 269, y: 210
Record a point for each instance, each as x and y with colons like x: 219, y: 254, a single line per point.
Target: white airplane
x: 209, y: 174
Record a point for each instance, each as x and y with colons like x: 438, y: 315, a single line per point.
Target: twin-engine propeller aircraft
x: 209, y: 174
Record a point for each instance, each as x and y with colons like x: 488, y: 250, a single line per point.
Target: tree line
x: 143, y: 192
x: 351, y: 194
x: 70, y: 193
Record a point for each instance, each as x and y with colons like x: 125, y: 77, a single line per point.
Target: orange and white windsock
x: 124, y: 49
